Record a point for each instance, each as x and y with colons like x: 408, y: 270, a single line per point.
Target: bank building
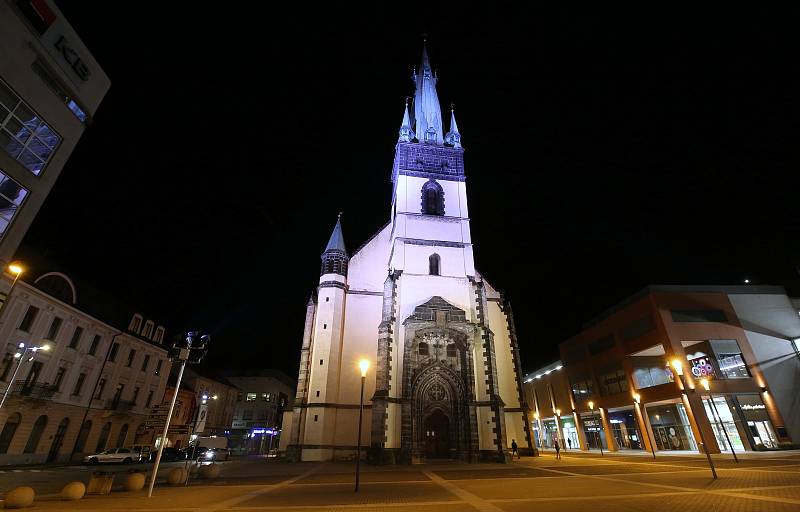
x: 444, y: 378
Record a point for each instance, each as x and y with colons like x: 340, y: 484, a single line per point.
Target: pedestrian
x: 514, y: 449
x: 569, y: 442
x: 558, y: 448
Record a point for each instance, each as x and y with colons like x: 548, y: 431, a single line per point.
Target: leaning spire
x: 427, y: 112
x: 453, y: 137
x: 406, y: 133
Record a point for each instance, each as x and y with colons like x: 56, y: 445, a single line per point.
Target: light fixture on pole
x: 364, y: 366
x: 599, y: 439
x: 17, y: 270
x: 707, y: 386
x: 637, y: 399
x: 676, y: 364
x: 21, y: 356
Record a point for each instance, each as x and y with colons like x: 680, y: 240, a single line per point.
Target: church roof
x: 427, y: 112
x: 336, y: 242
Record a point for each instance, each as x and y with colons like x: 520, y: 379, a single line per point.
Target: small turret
x: 335, y: 258
x: 453, y: 137
x: 406, y: 133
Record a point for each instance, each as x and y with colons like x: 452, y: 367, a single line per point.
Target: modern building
x: 215, y: 417
x: 635, y: 378
x: 444, y: 378
x: 258, y: 417
x: 93, y: 385
x: 50, y: 89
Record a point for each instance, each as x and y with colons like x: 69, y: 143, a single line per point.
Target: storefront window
x: 595, y: 437
x: 729, y: 358
x: 759, y: 427
x: 625, y: 430
x: 722, y: 422
x: 550, y: 432
x: 671, y: 427
x: 569, y: 433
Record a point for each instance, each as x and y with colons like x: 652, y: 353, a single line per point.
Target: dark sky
x: 604, y: 151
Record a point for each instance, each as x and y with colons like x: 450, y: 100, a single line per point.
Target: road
x: 577, y: 482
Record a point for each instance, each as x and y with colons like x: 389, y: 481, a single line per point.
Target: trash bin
x: 100, y: 482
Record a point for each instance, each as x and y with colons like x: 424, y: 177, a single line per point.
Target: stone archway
x: 437, y: 435
x: 439, y: 415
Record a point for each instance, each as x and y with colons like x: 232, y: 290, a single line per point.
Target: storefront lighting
x: 764, y: 389
x: 637, y: 398
x: 676, y: 363
x: 591, y: 405
x: 536, y: 415
x: 559, y: 367
x: 706, y: 385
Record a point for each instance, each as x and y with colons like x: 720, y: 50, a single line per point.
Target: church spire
x: 453, y: 137
x: 335, y: 259
x: 406, y: 133
x: 427, y: 113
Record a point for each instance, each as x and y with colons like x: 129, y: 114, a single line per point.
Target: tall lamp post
x: 364, y: 366
x: 718, y: 418
x: 17, y: 270
x: 21, y: 355
x: 637, y: 398
x: 599, y: 439
x: 676, y: 364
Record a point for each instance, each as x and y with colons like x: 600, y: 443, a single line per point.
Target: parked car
x: 123, y: 455
x: 214, y: 454
x: 144, y: 451
x: 169, y: 455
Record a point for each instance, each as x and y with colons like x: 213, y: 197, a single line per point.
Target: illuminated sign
x: 701, y: 367
x: 748, y: 407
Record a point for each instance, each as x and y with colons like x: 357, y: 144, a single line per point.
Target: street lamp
x: 707, y: 386
x: 21, y: 355
x: 364, y: 366
x: 599, y: 439
x: 676, y: 364
x: 17, y: 270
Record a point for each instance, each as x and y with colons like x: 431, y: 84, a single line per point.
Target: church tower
x: 445, y: 380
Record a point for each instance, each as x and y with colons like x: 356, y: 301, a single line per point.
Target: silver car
x: 123, y: 455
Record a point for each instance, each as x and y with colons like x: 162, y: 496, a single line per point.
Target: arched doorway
x: 103, y: 439
x: 83, y: 435
x: 123, y: 434
x: 9, y: 430
x: 58, y: 440
x: 437, y: 435
x: 36, y: 434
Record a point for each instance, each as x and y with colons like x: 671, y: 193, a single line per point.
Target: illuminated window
x: 12, y: 194
x: 23, y: 134
x: 432, y: 198
x: 251, y: 397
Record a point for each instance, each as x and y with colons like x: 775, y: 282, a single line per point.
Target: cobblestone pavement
x: 577, y: 482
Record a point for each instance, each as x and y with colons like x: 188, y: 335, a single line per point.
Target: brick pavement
x: 578, y: 482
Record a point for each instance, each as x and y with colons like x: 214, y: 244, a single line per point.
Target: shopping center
x: 673, y: 368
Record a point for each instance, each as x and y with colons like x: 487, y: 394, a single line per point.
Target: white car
x: 124, y: 455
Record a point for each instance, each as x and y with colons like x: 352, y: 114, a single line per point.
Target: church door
x: 437, y: 436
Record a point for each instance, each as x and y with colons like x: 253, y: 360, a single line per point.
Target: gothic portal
x: 445, y: 379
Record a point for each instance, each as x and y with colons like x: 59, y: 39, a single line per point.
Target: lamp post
x: 676, y: 364
x: 599, y: 439
x: 637, y: 398
x: 21, y: 355
x: 364, y: 366
x: 707, y: 385
x: 17, y: 270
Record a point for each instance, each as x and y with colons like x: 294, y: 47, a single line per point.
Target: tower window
x: 433, y: 264
x: 451, y: 350
x: 423, y: 349
x: 432, y: 198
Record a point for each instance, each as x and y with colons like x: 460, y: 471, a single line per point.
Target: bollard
x: 73, y: 491
x: 176, y: 476
x: 134, y: 481
x: 20, y: 497
x: 209, y: 471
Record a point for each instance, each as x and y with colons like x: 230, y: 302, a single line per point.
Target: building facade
x: 444, y: 380
x: 91, y: 389
x: 262, y: 398
x: 643, y: 367
x: 50, y: 88
x: 215, y: 416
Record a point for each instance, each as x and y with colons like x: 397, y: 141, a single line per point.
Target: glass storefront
x: 759, y: 427
x: 671, y: 427
x: 625, y: 430
x: 722, y: 421
x: 550, y: 432
x: 595, y: 436
x: 569, y: 433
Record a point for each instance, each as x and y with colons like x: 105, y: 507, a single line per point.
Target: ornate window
x: 423, y: 349
x: 433, y: 264
x: 451, y: 350
x: 432, y: 198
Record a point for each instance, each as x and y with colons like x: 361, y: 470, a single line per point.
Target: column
x: 610, y: 441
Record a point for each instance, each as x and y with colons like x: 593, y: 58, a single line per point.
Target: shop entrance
x: 437, y: 436
x: 671, y: 427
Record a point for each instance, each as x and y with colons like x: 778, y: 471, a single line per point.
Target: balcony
x: 33, y: 391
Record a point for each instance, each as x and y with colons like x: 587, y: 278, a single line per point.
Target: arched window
x: 83, y: 435
x: 451, y: 350
x: 433, y: 264
x: 9, y: 429
x: 123, y: 433
x: 432, y: 198
x: 58, y: 440
x: 423, y: 349
x: 36, y: 434
x: 103, y: 439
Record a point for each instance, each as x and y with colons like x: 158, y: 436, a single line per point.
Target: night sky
x: 604, y: 151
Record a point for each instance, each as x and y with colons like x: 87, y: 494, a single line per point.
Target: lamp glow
x: 364, y: 365
x: 536, y: 415
x: 591, y: 405
x: 16, y: 269
x: 678, y: 366
x: 705, y: 384
x: 558, y: 412
x: 637, y: 397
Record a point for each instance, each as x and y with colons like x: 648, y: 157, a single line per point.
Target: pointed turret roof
x: 406, y: 133
x: 453, y: 137
x: 427, y: 112
x: 336, y: 242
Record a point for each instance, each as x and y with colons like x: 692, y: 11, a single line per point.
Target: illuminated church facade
x: 444, y: 378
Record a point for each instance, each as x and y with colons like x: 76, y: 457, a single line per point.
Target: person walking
x: 569, y: 442
x: 558, y: 448
x: 514, y: 449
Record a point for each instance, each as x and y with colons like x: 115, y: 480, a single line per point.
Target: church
x: 444, y: 380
